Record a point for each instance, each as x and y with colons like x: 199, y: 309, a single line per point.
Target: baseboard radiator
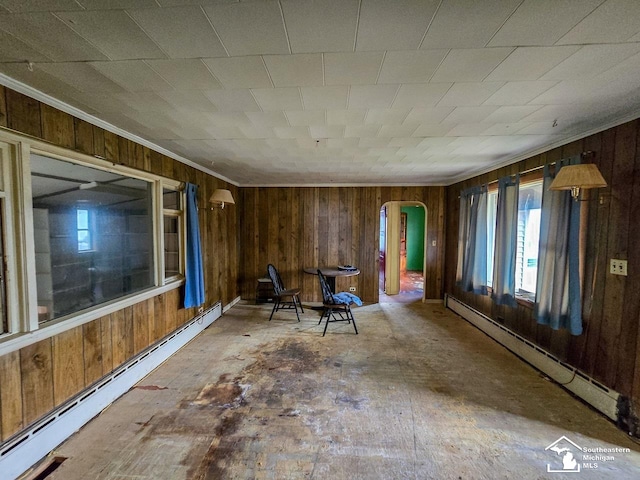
x: 22, y: 451
x: 594, y: 393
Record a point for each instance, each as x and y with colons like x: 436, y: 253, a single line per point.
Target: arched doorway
x: 403, y: 254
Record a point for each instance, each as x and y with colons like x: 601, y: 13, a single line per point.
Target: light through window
x: 529, y: 208
x: 84, y: 233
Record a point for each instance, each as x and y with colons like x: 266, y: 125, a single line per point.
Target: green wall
x: 415, y: 237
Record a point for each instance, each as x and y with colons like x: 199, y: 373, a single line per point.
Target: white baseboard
x: 594, y: 393
x: 22, y: 451
x: 230, y: 304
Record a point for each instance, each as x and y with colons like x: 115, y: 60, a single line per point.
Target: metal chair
x: 283, y: 299
x: 335, y: 312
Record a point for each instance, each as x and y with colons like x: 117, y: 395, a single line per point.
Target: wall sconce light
x: 575, y: 177
x: 221, y: 196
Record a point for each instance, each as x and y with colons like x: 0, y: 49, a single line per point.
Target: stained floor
x: 418, y: 394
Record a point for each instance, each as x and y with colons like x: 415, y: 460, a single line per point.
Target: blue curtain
x: 472, y: 253
x: 504, y: 267
x: 194, y: 275
x: 558, y: 297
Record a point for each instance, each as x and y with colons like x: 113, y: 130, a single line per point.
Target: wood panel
x: 57, y: 126
x: 608, y: 348
x: 68, y: 364
x: 295, y: 228
x: 11, y: 416
x: 37, y: 378
x: 36, y: 367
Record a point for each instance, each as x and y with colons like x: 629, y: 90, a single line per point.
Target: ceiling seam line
x: 284, y: 25
x: 504, y: 23
x: 206, y: 15
x: 355, y: 36
x: 55, y: 15
x: 147, y: 34
x: 433, y: 17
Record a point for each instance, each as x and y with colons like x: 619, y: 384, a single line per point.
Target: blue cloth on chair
x: 346, y: 298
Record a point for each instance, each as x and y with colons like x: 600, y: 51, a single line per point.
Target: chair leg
x: 276, y: 302
x: 296, y: 307
x: 324, y: 310
x: 329, y: 312
x: 300, y: 303
x: 353, y: 320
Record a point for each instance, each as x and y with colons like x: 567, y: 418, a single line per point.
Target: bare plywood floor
x: 418, y: 394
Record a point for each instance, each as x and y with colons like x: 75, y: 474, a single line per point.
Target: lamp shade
x: 575, y: 177
x: 584, y: 175
x: 221, y: 196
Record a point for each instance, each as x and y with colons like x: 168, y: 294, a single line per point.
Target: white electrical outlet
x: 618, y: 267
x: 352, y: 289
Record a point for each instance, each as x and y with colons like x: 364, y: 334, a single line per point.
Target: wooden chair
x: 283, y: 299
x: 335, y: 312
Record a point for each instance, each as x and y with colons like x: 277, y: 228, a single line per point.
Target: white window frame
x: 182, y: 221
x: 21, y: 287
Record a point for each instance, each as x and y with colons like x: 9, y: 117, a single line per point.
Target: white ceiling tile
x: 591, y: 60
x: 38, y: 79
x: 504, y: 128
x: 397, y: 25
x: 464, y: 129
x: 321, y: 26
x: 15, y: 50
x: 292, y: 132
x: 410, y: 66
x: 227, y: 119
x: 396, y: 131
x: 143, y: 101
x: 181, y: 32
x: 303, y: 70
x: 113, y: 32
x: 371, y: 96
x: 432, y: 130
x: 250, y: 28
x: 613, y: 21
x: 519, y: 93
x: 342, y: 143
x: 470, y: 114
x: 19, y: 6
x: 352, y: 68
x: 435, y: 142
x: 361, y: 130
x: 185, y: 74
x: 268, y: 119
x: 420, y: 95
x: 278, y: 98
x: 240, y: 72
x: 323, y: 131
x: 428, y: 115
x: 188, y: 100
x: 486, y: 18
x: 461, y: 94
x: 511, y: 114
x: 50, y: 36
x: 305, y: 117
x: 134, y: 75
x: 324, y: 98
x: 81, y: 76
x: 382, y: 116
x: 345, y: 117
x: 571, y: 92
x: 374, y: 142
x: 530, y: 63
x: 233, y: 100
x: 542, y: 22
x: 117, y: 4
x: 469, y: 65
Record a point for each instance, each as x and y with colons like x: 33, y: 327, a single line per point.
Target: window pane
x: 529, y: 204
x: 171, y: 246
x: 492, y: 209
x: 170, y: 199
x: 93, y: 235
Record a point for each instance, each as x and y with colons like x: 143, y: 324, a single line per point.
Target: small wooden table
x: 331, y: 273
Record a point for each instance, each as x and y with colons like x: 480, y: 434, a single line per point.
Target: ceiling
x: 302, y: 92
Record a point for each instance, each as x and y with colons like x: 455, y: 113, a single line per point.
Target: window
x: 529, y: 208
x: 3, y: 293
x: 84, y: 232
x: 528, y: 236
x: 173, y: 220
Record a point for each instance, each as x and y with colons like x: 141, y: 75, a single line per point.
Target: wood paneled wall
x: 608, y: 348
x: 37, y: 378
x: 295, y: 228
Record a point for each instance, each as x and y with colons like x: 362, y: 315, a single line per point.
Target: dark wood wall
x: 37, y: 378
x: 294, y: 228
x: 608, y: 348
